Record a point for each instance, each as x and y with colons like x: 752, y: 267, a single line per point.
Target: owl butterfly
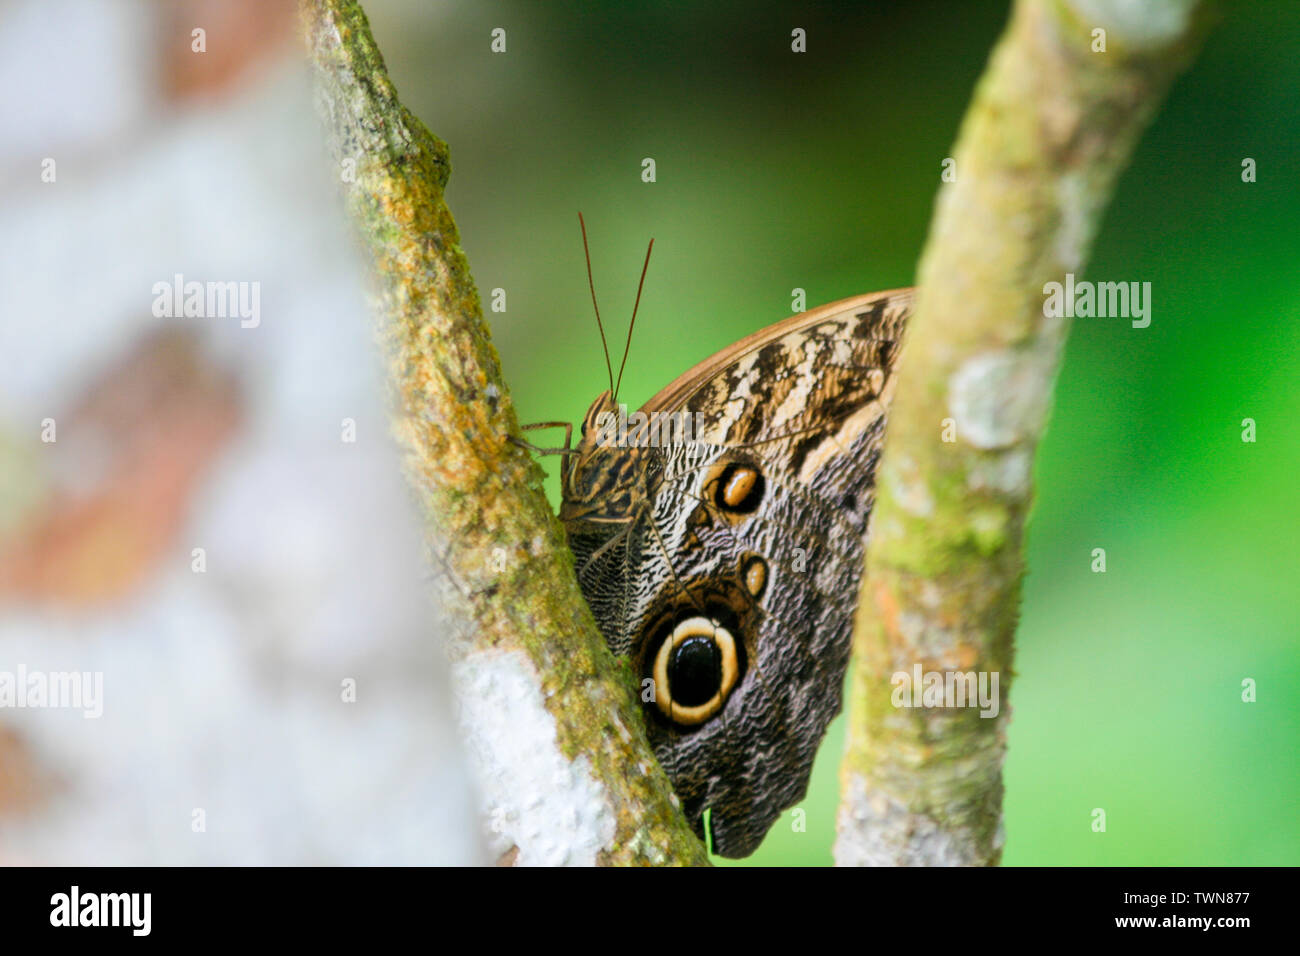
x: 719, y: 538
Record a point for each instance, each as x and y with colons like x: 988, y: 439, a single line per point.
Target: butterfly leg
x: 566, y: 449
x: 599, y: 552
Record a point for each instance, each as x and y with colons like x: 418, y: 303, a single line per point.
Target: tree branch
x: 1051, y: 126
x: 552, y: 718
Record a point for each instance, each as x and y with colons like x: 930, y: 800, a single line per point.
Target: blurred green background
x: 818, y: 171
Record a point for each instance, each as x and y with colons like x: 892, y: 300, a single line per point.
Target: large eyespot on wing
x: 695, y: 670
x: 766, y: 517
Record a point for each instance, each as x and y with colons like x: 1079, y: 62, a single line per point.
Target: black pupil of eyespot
x: 695, y: 671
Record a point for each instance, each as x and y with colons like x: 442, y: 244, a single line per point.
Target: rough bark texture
x: 1051, y: 126
x: 551, y: 716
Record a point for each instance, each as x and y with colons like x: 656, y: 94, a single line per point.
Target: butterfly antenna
x: 631, y: 324
x: 600, y: 325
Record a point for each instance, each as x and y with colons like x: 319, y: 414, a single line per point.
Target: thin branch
x: 1052, y: 124
x: 552, y: 718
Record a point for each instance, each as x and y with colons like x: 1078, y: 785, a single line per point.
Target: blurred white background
x: 223, y: 688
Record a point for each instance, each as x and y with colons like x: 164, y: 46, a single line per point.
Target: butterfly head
x: 605, y: 480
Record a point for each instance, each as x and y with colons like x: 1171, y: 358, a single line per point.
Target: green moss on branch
x: 507, y: 577
x: 1052, y: 124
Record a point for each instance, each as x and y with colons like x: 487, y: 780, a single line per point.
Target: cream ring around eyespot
x: 726, y: 645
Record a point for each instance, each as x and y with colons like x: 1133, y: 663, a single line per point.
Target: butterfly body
x: 724, y: 561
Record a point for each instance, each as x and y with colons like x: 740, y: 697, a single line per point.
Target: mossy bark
x: 505, y: 574
x: 1053, y: 122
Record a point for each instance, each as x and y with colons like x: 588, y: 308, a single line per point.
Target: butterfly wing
x: 754, y: 532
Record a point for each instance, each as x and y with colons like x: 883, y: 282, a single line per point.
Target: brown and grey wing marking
x: 802, y: 405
